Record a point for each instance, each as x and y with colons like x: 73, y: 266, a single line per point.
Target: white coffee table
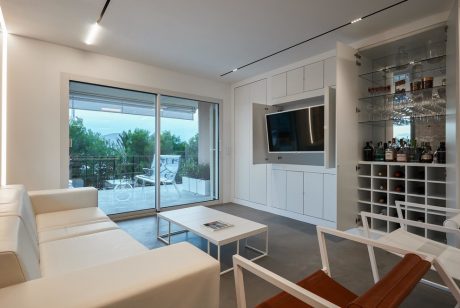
x: 193, y: 219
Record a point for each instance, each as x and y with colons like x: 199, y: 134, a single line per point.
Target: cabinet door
x: 279, y: 189
x: 314, y: 76
x: 294, y: 191
x: 347, y: 135
x: 294, y: 83
x: 258, y: 186
x: 279, y: 85
x: 242, y: 142
x: 330, y: 197
x: 313, y: 194
x: 329, y: 72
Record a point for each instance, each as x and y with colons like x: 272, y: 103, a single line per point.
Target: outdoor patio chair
x: 320, y: 290
x: 169, y: 166
x: 447, y: 256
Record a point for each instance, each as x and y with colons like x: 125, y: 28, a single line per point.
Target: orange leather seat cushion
x: 392, y: 289
x: 318, y: 283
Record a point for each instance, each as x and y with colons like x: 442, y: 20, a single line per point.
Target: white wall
x: 35, y: 71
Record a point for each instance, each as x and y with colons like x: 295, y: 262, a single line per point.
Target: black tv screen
x: 300, y: 130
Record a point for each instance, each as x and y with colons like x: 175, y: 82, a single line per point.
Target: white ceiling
x: 209, y: 37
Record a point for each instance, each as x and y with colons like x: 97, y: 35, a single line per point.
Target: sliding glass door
x: 113, y: 135
x: 112, y: 145
x: 189, y: 156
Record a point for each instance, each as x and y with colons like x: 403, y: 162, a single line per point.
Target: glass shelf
x: 434, y: 64
x: 382, y: 122
x: 437, y: 92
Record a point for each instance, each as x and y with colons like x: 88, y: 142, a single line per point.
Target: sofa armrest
x: 179, y: 275
x: 45, y: 201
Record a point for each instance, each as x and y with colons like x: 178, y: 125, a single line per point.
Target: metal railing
x: 102, y: 171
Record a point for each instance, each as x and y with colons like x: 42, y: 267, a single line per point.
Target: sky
x: 107, y: 123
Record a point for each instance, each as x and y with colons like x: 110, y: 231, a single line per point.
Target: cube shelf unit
x: 381, y: 184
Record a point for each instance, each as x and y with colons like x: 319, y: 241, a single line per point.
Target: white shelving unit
x: 380, y: 184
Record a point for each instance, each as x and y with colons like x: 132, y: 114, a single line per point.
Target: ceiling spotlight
x: 92, y: 33
x: 234, y: 70
x: 96, y: 27
x: 356, y: 20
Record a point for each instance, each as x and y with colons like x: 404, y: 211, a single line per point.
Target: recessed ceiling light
x: 356, y: 20
x: 92, y: 33
x: 234, y: 70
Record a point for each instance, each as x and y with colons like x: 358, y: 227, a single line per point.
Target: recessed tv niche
x: 299, y: 130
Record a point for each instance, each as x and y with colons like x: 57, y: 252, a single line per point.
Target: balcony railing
x: 97, y: 171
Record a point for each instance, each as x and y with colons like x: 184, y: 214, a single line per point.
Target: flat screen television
x: 300, y: 130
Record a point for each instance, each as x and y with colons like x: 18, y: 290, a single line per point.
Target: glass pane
x: 189, y: 157
x: 112, y: 145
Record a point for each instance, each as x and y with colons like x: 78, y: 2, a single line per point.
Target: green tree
x: 136, y: 143
x: 85, y: 142
x: 172, y: 144
x: 191, y: 150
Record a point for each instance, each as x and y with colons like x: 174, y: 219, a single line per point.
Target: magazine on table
x: 217, y: 225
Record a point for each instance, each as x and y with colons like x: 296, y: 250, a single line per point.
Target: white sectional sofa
x: 58, y: 249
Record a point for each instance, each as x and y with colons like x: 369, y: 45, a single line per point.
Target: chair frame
x: 450, y: 284
x: 163, y: 180
x: 240, y: 263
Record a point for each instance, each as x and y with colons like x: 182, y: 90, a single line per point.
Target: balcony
x: 121, y: 191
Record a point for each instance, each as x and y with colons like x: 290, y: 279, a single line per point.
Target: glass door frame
x: 65, y: 140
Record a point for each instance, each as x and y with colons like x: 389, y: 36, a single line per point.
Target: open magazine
x: 217, y: 225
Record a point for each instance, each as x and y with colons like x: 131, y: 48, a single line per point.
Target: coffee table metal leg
x: 169, y: 232
x: 218, y: 252
x: 162, y: 237
x: 263, y: 253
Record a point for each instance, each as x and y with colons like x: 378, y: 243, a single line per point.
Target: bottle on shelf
x: 401, y: 154
x: 427, y: 155
x: 441, y: 153
x: 412, y: 156
x: 390, y: 153
x: 379, y: 152
x: 368, y: 152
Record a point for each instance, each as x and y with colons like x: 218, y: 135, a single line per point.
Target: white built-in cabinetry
x: 294, y: 191
x: 313, y: 76
x: 250, y: 180
x: 299, y: 191
x: 300, y: 82
x: 304, y: 190
x: 313, y: 194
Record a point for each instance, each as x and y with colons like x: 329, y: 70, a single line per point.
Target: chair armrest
x: 289, y: 287
x: 408, y: 222
x: 179, y: 275
x: 45, y: 201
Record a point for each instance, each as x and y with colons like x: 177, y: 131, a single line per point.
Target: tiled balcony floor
x: 122, y: 200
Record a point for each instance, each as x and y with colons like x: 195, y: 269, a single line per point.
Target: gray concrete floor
x: 293, y: 254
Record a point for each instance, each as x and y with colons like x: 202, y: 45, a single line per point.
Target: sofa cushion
x: 18, y: 259
x: 60, y: 233
x: 14, y: 201
x: 178, y: 276
x: 69, y: 218
x: 76, y: 253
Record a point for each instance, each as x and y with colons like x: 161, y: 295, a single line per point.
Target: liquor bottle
x: 401, y: 155
x: 441, y: 153
x: 379, y: 152
x: 390, y: 153
x: 427, y: 155
x: 368, y: 152
x: 413, y: 151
